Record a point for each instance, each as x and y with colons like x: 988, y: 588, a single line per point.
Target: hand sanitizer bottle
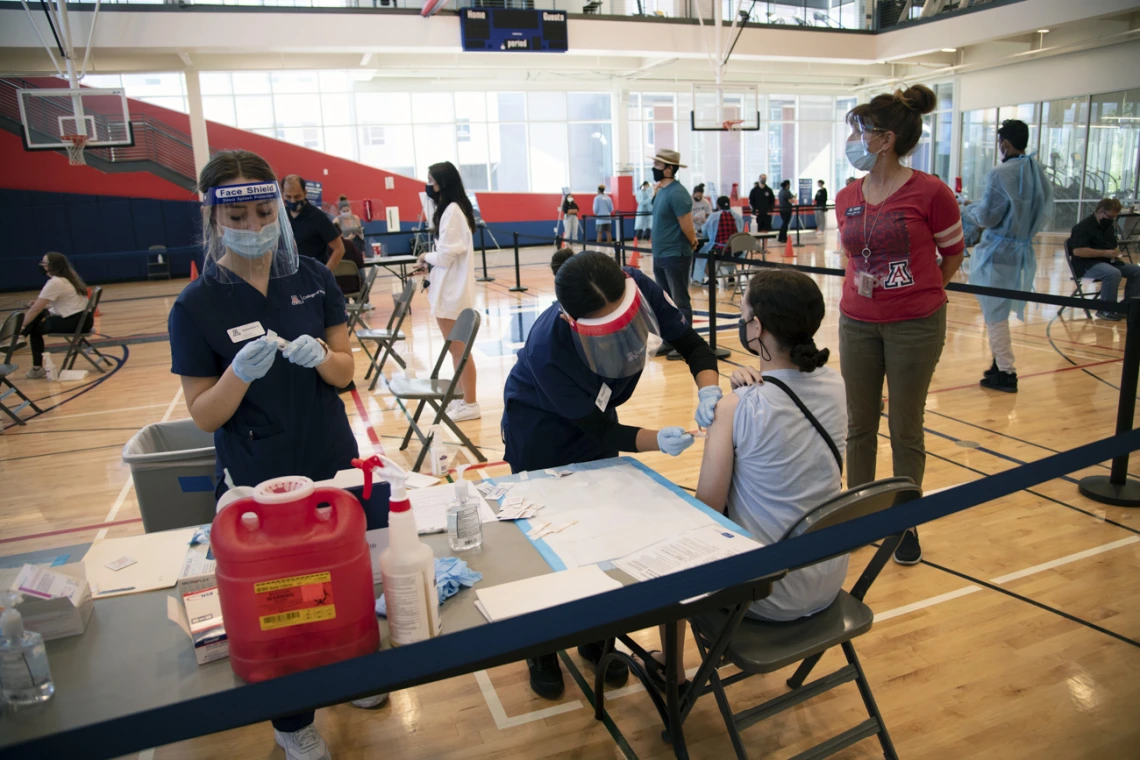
x: 464, y: 527
x: 437, y: 453
x: 24, y: 675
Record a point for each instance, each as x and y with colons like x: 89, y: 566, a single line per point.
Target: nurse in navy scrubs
x: 582, y: 360
x: 270, y: 415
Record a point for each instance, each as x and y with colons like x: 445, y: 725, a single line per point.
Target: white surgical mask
x: 859, y: 157
x: 250, y: 244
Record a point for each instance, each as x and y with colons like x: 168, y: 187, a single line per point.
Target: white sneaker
x: 454, y: 406
x: 305, y: 744
x: 465, y: 411
x: 35, y: 373
x: 371, y: 703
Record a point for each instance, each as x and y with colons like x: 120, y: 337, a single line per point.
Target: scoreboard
x: 510, y: 30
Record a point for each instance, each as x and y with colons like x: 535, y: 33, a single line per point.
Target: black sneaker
x: 909, y: 551
x: 993, y: 370
x: 1006, y: 382
x: 617, y: 673
x: 546, y: 676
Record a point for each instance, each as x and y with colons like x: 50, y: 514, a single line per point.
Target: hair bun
x: 918, y: 98
x: 807, y: 357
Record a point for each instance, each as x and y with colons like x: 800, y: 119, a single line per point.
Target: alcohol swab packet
x: 282, y: 344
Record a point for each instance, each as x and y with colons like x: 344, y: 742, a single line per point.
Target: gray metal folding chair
x: 1078, y: 290
x: 438, y: 392
x: 742, y: 243
x: 757, y: 647
x: 77, y: 343
x: 1129, y: 235
x: 9, y: 340
x: 386, y: 338
x: 356, y: 302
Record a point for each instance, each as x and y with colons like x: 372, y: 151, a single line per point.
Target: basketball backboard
x: 725, y: 108
x: 51, y: 116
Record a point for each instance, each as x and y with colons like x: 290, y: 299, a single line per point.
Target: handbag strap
x: 810, y: 417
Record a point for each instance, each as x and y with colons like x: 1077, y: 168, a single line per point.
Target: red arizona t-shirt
x: 919, y: 218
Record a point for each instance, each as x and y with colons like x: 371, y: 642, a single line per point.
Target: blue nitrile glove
x: 673, y: 440
x: 306, y: 351
x: 254, y: 360
x: 450, y: 574
x: 706, y: 404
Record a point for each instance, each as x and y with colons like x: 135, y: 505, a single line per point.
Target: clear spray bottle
x: 464, y: 524
x: 24, y: 674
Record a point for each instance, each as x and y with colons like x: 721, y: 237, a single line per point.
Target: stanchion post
x: 799, y: 226
x: 1117, y: 488
x: 619, y: 238
x: 483, y: 248
x: 710, y: 270
x: 518, y: 288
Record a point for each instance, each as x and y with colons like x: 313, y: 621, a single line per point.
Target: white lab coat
x: 453, y: 266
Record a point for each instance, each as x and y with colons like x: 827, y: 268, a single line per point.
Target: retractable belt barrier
x: 621, y: 610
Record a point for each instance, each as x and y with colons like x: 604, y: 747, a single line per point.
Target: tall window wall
x: 1089, y: 147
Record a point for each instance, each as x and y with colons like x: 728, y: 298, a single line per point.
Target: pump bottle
x: 24, y: 675
x: 464, y: 524
x: 407, y: 566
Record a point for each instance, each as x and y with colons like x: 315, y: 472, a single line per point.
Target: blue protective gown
x: 1016, y: 204
x: 644, y: 209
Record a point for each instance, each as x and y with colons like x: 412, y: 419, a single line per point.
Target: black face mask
x: 658, y: 174
x: 431, y: 192
x: 742, y: 333
x: 1106, y: 223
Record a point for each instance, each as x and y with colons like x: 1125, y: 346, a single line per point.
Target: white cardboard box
x: 198, y: 570
x: 200, y: 617
x: 57, y: 601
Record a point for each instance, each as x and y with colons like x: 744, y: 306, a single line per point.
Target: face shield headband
x: 619, y: 344
x: 246, y: 233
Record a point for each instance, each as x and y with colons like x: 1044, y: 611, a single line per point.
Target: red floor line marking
x: 372, y: 436
x: 1047, y: 338
x: 69, y: 530
x: 1033, y: 374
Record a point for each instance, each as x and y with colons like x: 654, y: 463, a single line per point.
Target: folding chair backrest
x: 10, y: 335
x: 346, y: 268
x: 369, y: 280
x: 464, y: 331
x: 1071, y: 260
x: 401, y: 302
x: 1128, y: 225
x: 852, y: 504
x: 743, y: 241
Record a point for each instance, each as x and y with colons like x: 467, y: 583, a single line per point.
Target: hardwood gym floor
x: 1047, y: 666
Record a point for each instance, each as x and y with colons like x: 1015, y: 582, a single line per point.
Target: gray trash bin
x: 172, y: 464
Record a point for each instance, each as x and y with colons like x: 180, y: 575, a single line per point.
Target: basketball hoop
x: 732, y: 125
x: 75, y: 146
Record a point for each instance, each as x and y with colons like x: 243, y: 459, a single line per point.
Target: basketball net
x: 732, y: 125
x: 75, y: 146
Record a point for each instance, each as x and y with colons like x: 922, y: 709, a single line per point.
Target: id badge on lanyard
x: 865, y: 283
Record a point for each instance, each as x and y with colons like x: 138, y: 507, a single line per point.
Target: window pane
x: 658, y: 107
x: 473, y: 157
x: 754, y: 159
x: 1062, y: 154
x: 548, y: 159
x: 336, y: 110
x: 945, y: 94
x: 1030, y: 113
x: 153, y: 85
x: 920, y: 158
x: 250, y: 83
x: 588, y: 106
x: 103, y: 80
x: 297, y: 110
x: 432, y: 108
x: 334, y: 81
x: 219, y: 108
x: 254, y: 111
x: 940, y: 153
x: 781, y: 108
x: 815, y: 108
x: 979, y: 136
x: 1114, y: 143
x: 781, y: 154
x: 434, y: 144
x: 546, y: 106
x: 506, y: 106
x: 591, y: 154
x: 341, y: 141
x: 471, y: 106
x: 294, y: 81
x: 308, y: 137
x: 507, y: 146
x: 214, y: 83
x: 633, y: 105
x: 383, y: 108
x: 388, y: 148
x: 815, y: 154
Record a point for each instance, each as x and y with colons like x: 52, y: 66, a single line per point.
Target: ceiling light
x: 1042, y: 31
x: 949, y: 50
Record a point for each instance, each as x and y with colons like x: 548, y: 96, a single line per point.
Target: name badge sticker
x: 245, y: 332
x: 854, y: 211
x: 603, y: 399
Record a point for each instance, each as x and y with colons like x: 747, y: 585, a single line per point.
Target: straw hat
x: 668, y: 157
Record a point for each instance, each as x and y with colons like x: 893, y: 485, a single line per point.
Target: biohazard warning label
x: 295, y: 601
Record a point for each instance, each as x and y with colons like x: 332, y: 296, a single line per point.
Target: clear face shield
x: 619, y: 344
x: 247, y: 234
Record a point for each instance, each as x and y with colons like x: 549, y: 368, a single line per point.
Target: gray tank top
x: 784, y: 469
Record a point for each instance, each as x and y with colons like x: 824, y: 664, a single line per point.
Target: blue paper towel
x: 450, y: 574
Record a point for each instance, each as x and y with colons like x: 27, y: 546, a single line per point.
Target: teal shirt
x: 671, y: 203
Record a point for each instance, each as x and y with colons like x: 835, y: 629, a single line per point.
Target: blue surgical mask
x: 293, y: 206
x: 250, y: 244
x: 859, y: 157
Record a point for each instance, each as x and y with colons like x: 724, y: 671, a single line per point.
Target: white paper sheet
x: 430, y: 507
x: 354, y: 477
x: 618, y: 509
x: 697, y: 547
x: 542, y: 591
x: 158, y: 561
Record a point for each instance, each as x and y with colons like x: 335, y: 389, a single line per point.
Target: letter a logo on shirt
x: 899, y: 275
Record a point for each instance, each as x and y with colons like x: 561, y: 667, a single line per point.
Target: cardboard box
x: 200, y: 617
x: 198, y: 570
x: 57, y: 601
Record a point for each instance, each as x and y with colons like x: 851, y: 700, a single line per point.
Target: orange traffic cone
x: 193, y: 270
x: 97, y: 312
x: 635, y: 257
x: 788, y: 252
